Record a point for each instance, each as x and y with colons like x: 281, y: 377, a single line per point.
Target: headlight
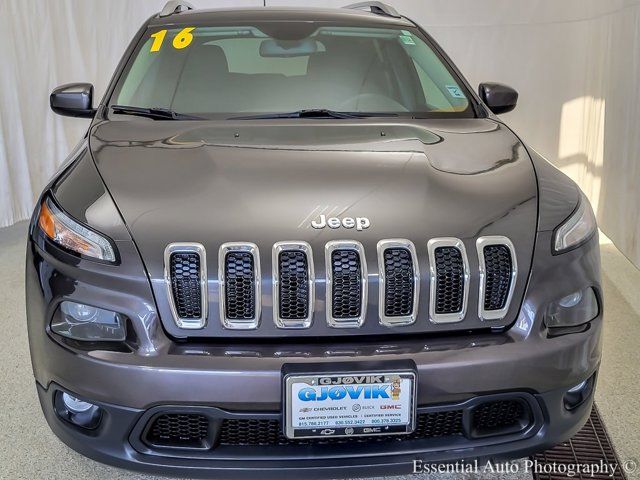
x: 86, y: 323
x: 576, y: 229
x: 573, y: 310
x: 68, y: 233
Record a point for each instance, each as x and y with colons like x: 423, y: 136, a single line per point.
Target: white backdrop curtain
x: 576, y: 64
x: 43, y: 44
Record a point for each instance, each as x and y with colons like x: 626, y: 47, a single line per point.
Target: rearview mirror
x: 73, y: 100
x: 288, y: 48
x: 498, y: 97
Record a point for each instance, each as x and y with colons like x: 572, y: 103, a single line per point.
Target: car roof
x: 223, y: 16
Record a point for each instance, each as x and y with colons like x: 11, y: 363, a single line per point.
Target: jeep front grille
x: 346, y: 284
x: 239, y: 272
x: 293, y: 285
x: 399, y: 282
x: 185, y: 273
x: 498, y: 268
x: 449, y: 280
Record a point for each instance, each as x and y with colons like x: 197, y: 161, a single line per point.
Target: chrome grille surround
x: 397, y: 243
x: 481, y: 243
x: 300, y: 246
x: 355, y: 322
x: 194, y: 248
x: 432, y: 245
x: 252, y: 249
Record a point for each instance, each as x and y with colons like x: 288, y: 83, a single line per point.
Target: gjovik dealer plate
x: 350, y: 404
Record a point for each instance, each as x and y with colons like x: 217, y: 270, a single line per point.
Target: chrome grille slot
x: 399, y: 282
x: 347, y: 284
x: 346, y: 270
x: 497, y: 259
x: 239, y: 274
x: 449, y: 280
x: 449, y: 269
x: 185, y: 283
x: 293, y: 284
x: 185, y: 273
x: 240, y: 287
x: 498, y: 269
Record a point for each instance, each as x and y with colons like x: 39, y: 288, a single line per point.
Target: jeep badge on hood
x: 360, y: 223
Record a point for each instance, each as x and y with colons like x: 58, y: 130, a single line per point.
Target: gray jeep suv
x: 295, y: 241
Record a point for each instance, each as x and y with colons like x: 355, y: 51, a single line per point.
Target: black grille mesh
x: 497, y: 259
x: 500, y: 414
x: 347, y: 284
x: 449, y: 280
x: 185, y: 284
x: 398, y: 288
x: 293, y: 291
x: 182, y: 430
x: 269, y: 432
x: 240, y: 290
x: 196, y: 430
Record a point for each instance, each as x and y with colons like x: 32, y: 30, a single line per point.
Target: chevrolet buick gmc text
x: 295, y: 241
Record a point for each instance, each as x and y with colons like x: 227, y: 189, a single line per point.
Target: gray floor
x: 28, y: 450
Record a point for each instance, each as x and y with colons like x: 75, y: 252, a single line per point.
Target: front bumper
x: 245, y: 379
x: 118, y: 442
x: 229, y: 382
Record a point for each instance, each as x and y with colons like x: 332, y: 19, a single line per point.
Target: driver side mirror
x: 73, y: 100
x: 498, y: 97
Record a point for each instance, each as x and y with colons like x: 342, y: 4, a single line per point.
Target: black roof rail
x: 175, y: 6
x: 378, y: 8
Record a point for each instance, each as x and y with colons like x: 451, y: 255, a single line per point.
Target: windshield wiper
x: 316, y: 113
x: 156, y: 113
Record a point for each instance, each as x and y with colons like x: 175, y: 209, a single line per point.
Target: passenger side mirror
x: 498, y: 97
x: 73, y: 100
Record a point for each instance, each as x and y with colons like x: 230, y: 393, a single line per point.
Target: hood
x: 266, y: 181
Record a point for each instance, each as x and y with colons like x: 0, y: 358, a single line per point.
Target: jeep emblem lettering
x: 360, y: 223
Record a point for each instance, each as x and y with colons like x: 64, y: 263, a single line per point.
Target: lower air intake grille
x: 347, y: 284
x: 399, y: 277
x: 179, y: 430
x: 252, y: 432
x: 500, y: 417
x: 293, y: 287
x: 240, y: 294
x: 498, y: 266
x: 449, y: 280
x: 185, y: 284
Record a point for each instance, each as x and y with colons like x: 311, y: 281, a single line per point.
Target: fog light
x: 75, y: 404
x: 76, y: 411
x: 577, y: 388
x: 573, y: 310
x: 579, y: 394
x: 86, y: 323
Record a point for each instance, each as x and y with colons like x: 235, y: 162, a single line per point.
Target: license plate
x: 350, y: 404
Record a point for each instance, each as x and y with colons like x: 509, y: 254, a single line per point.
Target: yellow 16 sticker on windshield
x: 182, y: 40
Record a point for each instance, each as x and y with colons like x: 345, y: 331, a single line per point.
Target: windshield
x: 227, y: 71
